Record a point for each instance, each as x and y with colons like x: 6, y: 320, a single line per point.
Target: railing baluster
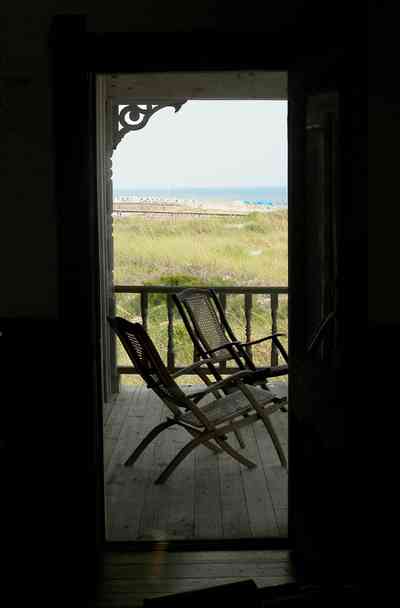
x: 144, y: 306
x: 274, y: 327
x: 196, y: 356
x: 247, y: 292
x: 222, y: 299
x: 171, y: 350
x: 248, y: 306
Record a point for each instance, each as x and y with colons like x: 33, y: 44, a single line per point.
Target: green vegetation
x: 248, y: 251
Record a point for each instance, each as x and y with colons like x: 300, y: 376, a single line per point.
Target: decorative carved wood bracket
x: 135, y: 116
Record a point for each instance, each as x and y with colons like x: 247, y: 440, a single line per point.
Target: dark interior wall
x: 29, y: 262
x: 28, y: 232
x: 383, y: 207
x: 48, y: 480
x: 28, y: 219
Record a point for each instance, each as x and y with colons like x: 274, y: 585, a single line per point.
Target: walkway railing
x: 276, y: 294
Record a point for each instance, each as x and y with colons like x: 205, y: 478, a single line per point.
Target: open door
x: 316, y: 514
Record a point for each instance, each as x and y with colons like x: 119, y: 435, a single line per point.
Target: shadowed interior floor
x: 129, y: 578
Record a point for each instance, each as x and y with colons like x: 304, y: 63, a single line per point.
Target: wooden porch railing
x: 248, y: 292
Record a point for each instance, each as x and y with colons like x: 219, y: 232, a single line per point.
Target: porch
x: 207, y: 497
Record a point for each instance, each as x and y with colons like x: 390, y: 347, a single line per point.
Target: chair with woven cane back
x: 207, y: 424
x: 213, y: 337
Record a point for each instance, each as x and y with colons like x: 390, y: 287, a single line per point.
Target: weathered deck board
x: 123, y: 596
x: 208, y: 516
x: 181, y: 490
x: 275, y: 475
x: 176, y: 585
x: 235, y: 517
x: 153, y: 521
x: 128, y: 486
x: 207, y: 497
x: 114, y: 418
x: 259, y: 503
x: 116, y: 561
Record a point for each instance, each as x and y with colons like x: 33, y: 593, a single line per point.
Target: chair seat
x: 267, y: 372
x: 232, y: 405
x: 279, y: 389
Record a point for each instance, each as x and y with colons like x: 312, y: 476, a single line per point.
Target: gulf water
x: 275, y: 196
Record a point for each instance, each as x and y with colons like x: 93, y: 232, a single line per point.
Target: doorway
x: 75, y: 138
x: 249, y: 506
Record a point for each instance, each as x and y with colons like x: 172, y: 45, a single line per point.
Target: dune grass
x: 242, y: 251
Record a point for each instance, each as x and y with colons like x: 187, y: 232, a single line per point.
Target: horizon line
x: 164, y: 187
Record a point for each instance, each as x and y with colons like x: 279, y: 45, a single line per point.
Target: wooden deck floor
x: 207, y: 496
x: 129, y: 578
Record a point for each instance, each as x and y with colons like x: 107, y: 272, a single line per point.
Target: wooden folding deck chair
x: 208, y: 424
x: 212, y: 335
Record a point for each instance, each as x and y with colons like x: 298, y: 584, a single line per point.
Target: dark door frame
x: 77, y: 57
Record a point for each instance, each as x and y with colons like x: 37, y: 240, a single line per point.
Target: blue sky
x: 207, y: 144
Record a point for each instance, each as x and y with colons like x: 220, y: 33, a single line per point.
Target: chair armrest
x: 232, y: 379
x: 194, y: 366
x: 238, y: 344
x: 275, y: 338
x: 270, y: 337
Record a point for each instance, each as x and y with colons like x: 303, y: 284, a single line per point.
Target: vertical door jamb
x: 105, y: 202
x: 296, y: 269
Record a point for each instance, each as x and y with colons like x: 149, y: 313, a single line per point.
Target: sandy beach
x: 124, y: 206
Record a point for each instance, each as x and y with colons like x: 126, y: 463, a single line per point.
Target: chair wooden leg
x: 189, y: 447
x: 275, y: 439
x: 148, y: 439
x: 240, y: 438
x: 227, y: 448
x: 181, y: 455
x: 208, y: 444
